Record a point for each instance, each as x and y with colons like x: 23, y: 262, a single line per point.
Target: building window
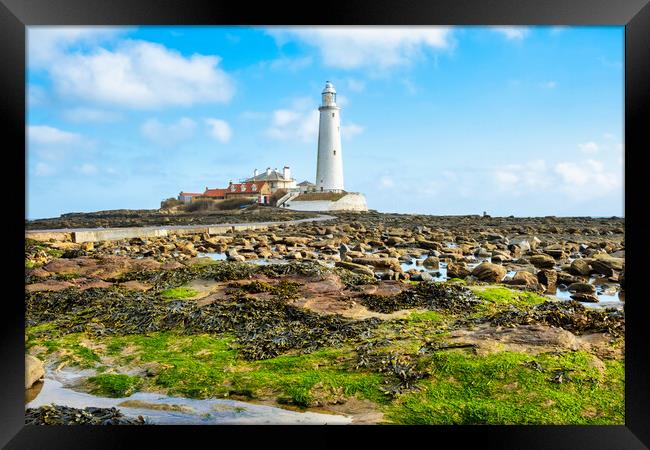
x: 332, y: 114
x: 334, y: 152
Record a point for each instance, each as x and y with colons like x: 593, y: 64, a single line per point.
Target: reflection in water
x: 32, y: 392
x: 259, y: 262
x: 163, y: 410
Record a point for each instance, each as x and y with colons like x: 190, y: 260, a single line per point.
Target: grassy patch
x: 114, y: 385
x: 311, y: 196
x: 514, y: 388
x: 425, y: 316
x: 498, y: 297
x: 456, y: 280
x: 179, y: 293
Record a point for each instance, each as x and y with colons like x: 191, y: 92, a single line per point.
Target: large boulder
x: 34, y: 370
x: 548, y: 278
x: 489, y: 272
x: 457, y: 270
x: 609, y: 261
x: 431, y: 262
x: 602, y: 267
x: 542, y: 261
x: 580, y: 267
x: 584, y: 297
x: 524, y: 278
x: 584, y: 288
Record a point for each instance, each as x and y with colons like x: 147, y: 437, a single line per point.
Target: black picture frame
x: 16, y: 15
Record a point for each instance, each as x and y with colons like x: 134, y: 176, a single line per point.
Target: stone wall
x: 350, y: 202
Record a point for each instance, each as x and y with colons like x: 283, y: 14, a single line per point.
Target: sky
x: 523, y: 121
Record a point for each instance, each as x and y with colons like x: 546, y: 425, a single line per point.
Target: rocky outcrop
x: 489, y: 272
x: 580, y: 267
x: 523, y: 278
x: 457, y: 270
x: 548, y: 278
x: 431, y: 262
x: 34, y: 370
x: 542, y: 261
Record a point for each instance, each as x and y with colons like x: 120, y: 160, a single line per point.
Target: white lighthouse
x: 329, y: 169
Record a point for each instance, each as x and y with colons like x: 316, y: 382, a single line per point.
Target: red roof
x: 247, y: 187
x: 214, y: 193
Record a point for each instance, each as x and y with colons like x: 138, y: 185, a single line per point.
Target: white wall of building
x: 349, y: 202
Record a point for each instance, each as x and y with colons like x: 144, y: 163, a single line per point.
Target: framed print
x: 376, y: 222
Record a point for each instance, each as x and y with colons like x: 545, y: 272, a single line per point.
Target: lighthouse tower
x: 329, y: 169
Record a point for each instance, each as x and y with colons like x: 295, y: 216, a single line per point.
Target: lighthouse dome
x: 329, y: 88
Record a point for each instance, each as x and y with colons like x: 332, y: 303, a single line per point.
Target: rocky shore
x: 383, y: 317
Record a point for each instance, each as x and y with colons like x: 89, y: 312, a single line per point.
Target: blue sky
x: 524, y: 121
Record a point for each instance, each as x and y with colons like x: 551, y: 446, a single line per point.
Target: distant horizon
x: 514, y: 121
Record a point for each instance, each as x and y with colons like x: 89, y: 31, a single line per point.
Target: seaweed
x: 264, y: 328
x: 569, y: 315
x: 437, y: 296
x: 65, y: 415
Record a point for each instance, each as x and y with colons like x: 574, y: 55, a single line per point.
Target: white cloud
x: 142, y: 75
x: 282, y: 117
x: 300, y: 122
x: 548, y: 85
x: 219, y: 130
x: 587, y: 179
x: 43, y: 169
x: 512, y: 33
x: 588, y: 147
x: 47, y: 45
x: 252, y: 115
x: 350, y: 47
x: 354, y: 85
x: 170, y: 134
x: 290, y: 64
x: 90, y: 115
x: 386, y: 182
x: 297, y: 124
x: 410, y: 86
x: 87, y: 169
x: 350, y: 130
x: 517, y: 178
x: 581, y: 180
x: 505, y: 179
x: 43, y: 134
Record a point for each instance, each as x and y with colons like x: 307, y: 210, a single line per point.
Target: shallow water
x: 194, y: 411
x: 606, y: 299
x: 261, y: 261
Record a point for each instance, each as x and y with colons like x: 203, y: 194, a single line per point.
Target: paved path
x: 113, y: 234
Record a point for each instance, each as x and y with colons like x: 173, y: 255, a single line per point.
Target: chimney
x: 286, y: 173
x: 268, y: 171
